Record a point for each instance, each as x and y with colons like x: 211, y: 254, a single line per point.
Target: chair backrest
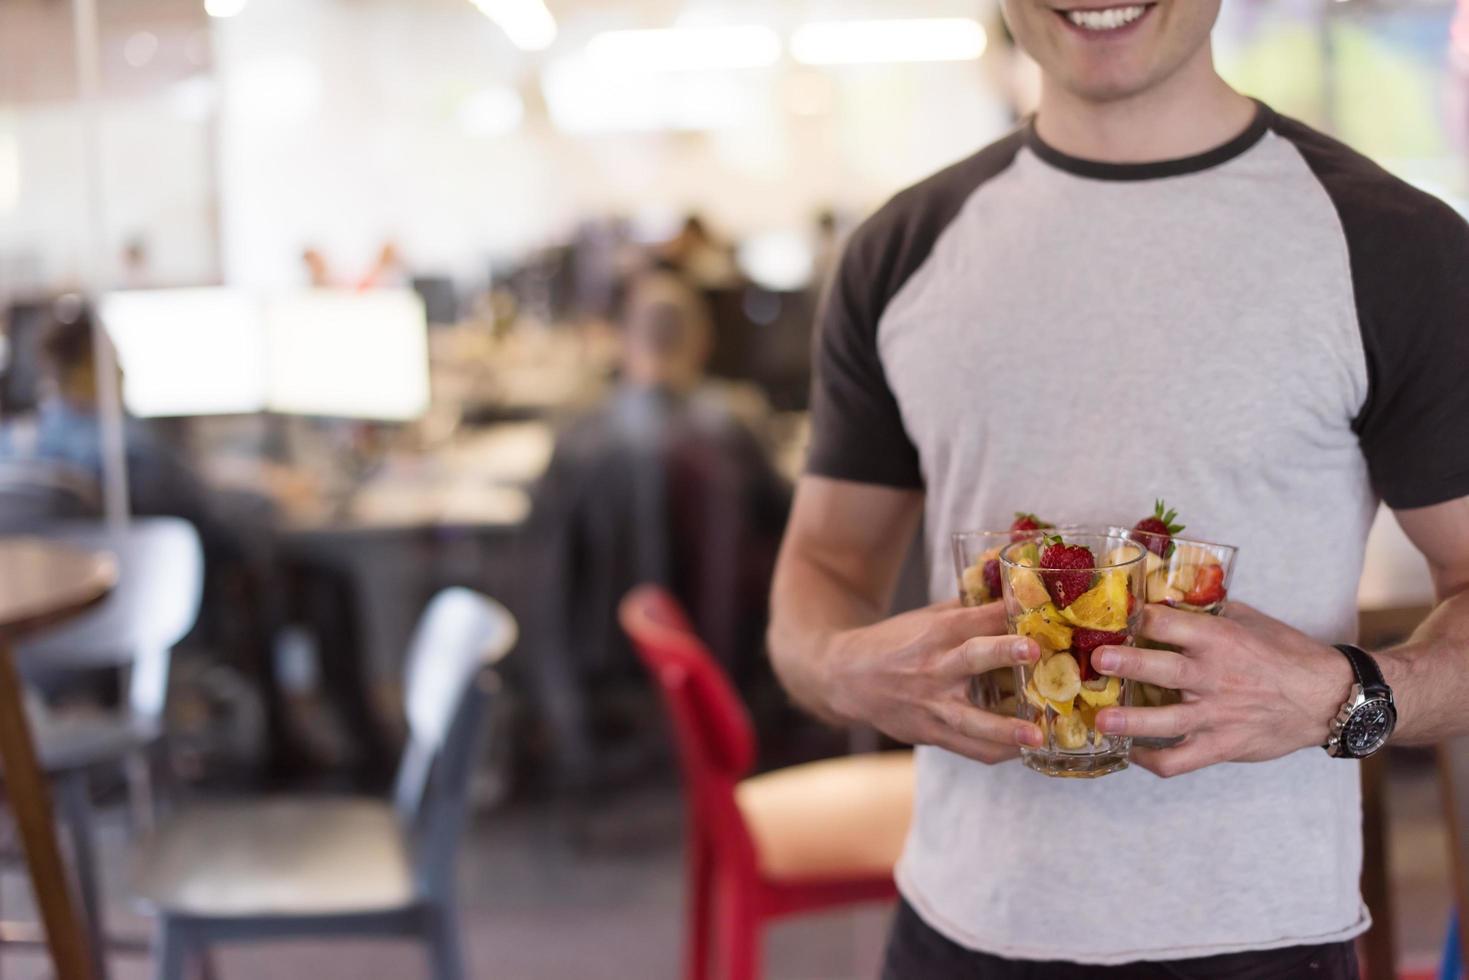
x: 716, y: 741
x: 36, y: 492
x: 160, y: 585
x: 449, y: 680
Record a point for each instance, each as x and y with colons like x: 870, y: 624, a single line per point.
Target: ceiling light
x: 685, y: 49
x: 855, y: 42
x: 224, y: 8
x: 527, y: 23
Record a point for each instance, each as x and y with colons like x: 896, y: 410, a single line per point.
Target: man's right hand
x: 909, y: 676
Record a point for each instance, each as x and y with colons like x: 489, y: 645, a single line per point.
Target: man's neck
x: 1191, y: 112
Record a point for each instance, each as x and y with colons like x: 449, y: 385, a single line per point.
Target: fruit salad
x: 977, y: 563
x: 1073, y: 594
x: 1182, y: 573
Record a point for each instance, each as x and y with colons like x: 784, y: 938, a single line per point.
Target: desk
x: 40, y: 585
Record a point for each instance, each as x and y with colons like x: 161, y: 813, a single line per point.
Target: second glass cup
x: 1072, y: 593
x: 977, y: 568
x: 1185, y: 574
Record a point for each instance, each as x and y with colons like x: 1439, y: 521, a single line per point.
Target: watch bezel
x: 1359, y: 711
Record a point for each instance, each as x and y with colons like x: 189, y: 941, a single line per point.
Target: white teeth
x: 1105, y: 20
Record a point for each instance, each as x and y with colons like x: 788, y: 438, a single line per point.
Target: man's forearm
x: 1429, y: 675
x: 811, y: 605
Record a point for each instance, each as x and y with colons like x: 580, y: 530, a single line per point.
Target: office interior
x: 349, y: 297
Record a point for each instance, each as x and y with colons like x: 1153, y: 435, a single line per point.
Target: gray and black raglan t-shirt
x: 1272, y: 337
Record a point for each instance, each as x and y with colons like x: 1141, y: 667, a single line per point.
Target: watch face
x: 1368, y: 728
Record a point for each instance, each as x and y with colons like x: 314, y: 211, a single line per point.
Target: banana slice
x: 1071, y: 731
x: 1058, y: 678
x: 1034, y: 696
x: 1099, y: 693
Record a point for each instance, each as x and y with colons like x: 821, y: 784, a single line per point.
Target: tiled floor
x: 537, y: 909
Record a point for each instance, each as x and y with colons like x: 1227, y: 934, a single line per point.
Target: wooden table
x: 42, y: 584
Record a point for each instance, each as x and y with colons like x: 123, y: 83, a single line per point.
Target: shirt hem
x: 949, y: 930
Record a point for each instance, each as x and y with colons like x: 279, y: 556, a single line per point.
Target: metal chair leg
x: 76, y: 810
x: 169, y: 951
x: 446, y: 957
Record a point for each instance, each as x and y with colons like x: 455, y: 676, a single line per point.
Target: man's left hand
x: 1253, y: 688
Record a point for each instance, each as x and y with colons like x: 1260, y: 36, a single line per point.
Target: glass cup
x: 1069, y: 613
x: 1185, y: 574
x: 977, y: 568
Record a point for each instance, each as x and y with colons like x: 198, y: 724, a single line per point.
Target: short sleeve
x: 1409, y: 257
x: 1414, y: 427
x: 857, y: 429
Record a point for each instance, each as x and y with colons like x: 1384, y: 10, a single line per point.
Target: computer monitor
x: 188, y: 351
x: 333, y: 353
x: 348, y: 355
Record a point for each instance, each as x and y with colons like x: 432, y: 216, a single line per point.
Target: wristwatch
x: 1366, y: 721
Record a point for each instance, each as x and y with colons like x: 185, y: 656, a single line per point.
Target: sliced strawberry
x: 1025, y: 525
x: 1131, y: 603
x: 991, y: 575
x: 1068, y: 570
x: 1208, y: 586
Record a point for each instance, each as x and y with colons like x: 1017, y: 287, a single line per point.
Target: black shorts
x: 917, y: 952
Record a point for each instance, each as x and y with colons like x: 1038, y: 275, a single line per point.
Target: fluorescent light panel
x: 686, y: 48
x: 527, y: 23
x: 857, y: 42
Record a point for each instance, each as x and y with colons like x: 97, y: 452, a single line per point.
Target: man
x: 1156, y: 288
x: 664, y: 481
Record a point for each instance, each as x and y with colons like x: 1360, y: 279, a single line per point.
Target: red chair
x: 798, y: 840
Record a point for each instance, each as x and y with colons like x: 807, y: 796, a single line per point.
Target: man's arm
x: 1429, y: 674
x: 908, y: 675
x: 1257, y: 689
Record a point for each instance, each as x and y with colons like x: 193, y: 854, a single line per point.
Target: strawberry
x: 991, y: 575
x: 1084, y: 641
x: 1025, y: 524
x: 1208, y: 586
x: 1160, y: 523
x: 1073, y: 564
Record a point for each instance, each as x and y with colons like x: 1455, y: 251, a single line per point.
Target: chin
x: 1107, y: 86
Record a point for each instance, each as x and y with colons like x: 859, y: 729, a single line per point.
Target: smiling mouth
x: 1105, y: 20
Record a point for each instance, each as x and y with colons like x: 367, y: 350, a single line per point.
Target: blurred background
x: 351, y: 302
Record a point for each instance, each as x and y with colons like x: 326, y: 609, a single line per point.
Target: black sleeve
x: 1409, y: 255
x: 857, y: 428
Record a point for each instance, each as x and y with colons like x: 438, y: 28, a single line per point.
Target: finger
x: 982, y: 654
x: 979, y: 725
x: 1195, y: 753
x: 1177, y: 627
x: 951, y: 627
x: 1170, y: 721
x: 1161, y: 667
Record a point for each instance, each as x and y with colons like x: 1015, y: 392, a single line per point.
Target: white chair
x: 287, y: 867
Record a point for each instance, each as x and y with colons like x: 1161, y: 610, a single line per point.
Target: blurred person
x: 318, y: 270
x: 700, y: 257
x: 663, y: 482
x: 137, y: 271
x: 388, y: 271
x: 1156, y: 286
x: 67, y: 430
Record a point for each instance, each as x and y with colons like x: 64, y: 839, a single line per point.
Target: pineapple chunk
x: 1062, y: 708
x: 1047, y: 627
x: 1103, y: 607
x: 973, y: 585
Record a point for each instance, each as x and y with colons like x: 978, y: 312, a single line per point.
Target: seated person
x: 663, y: 482
x: 67, y: 431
